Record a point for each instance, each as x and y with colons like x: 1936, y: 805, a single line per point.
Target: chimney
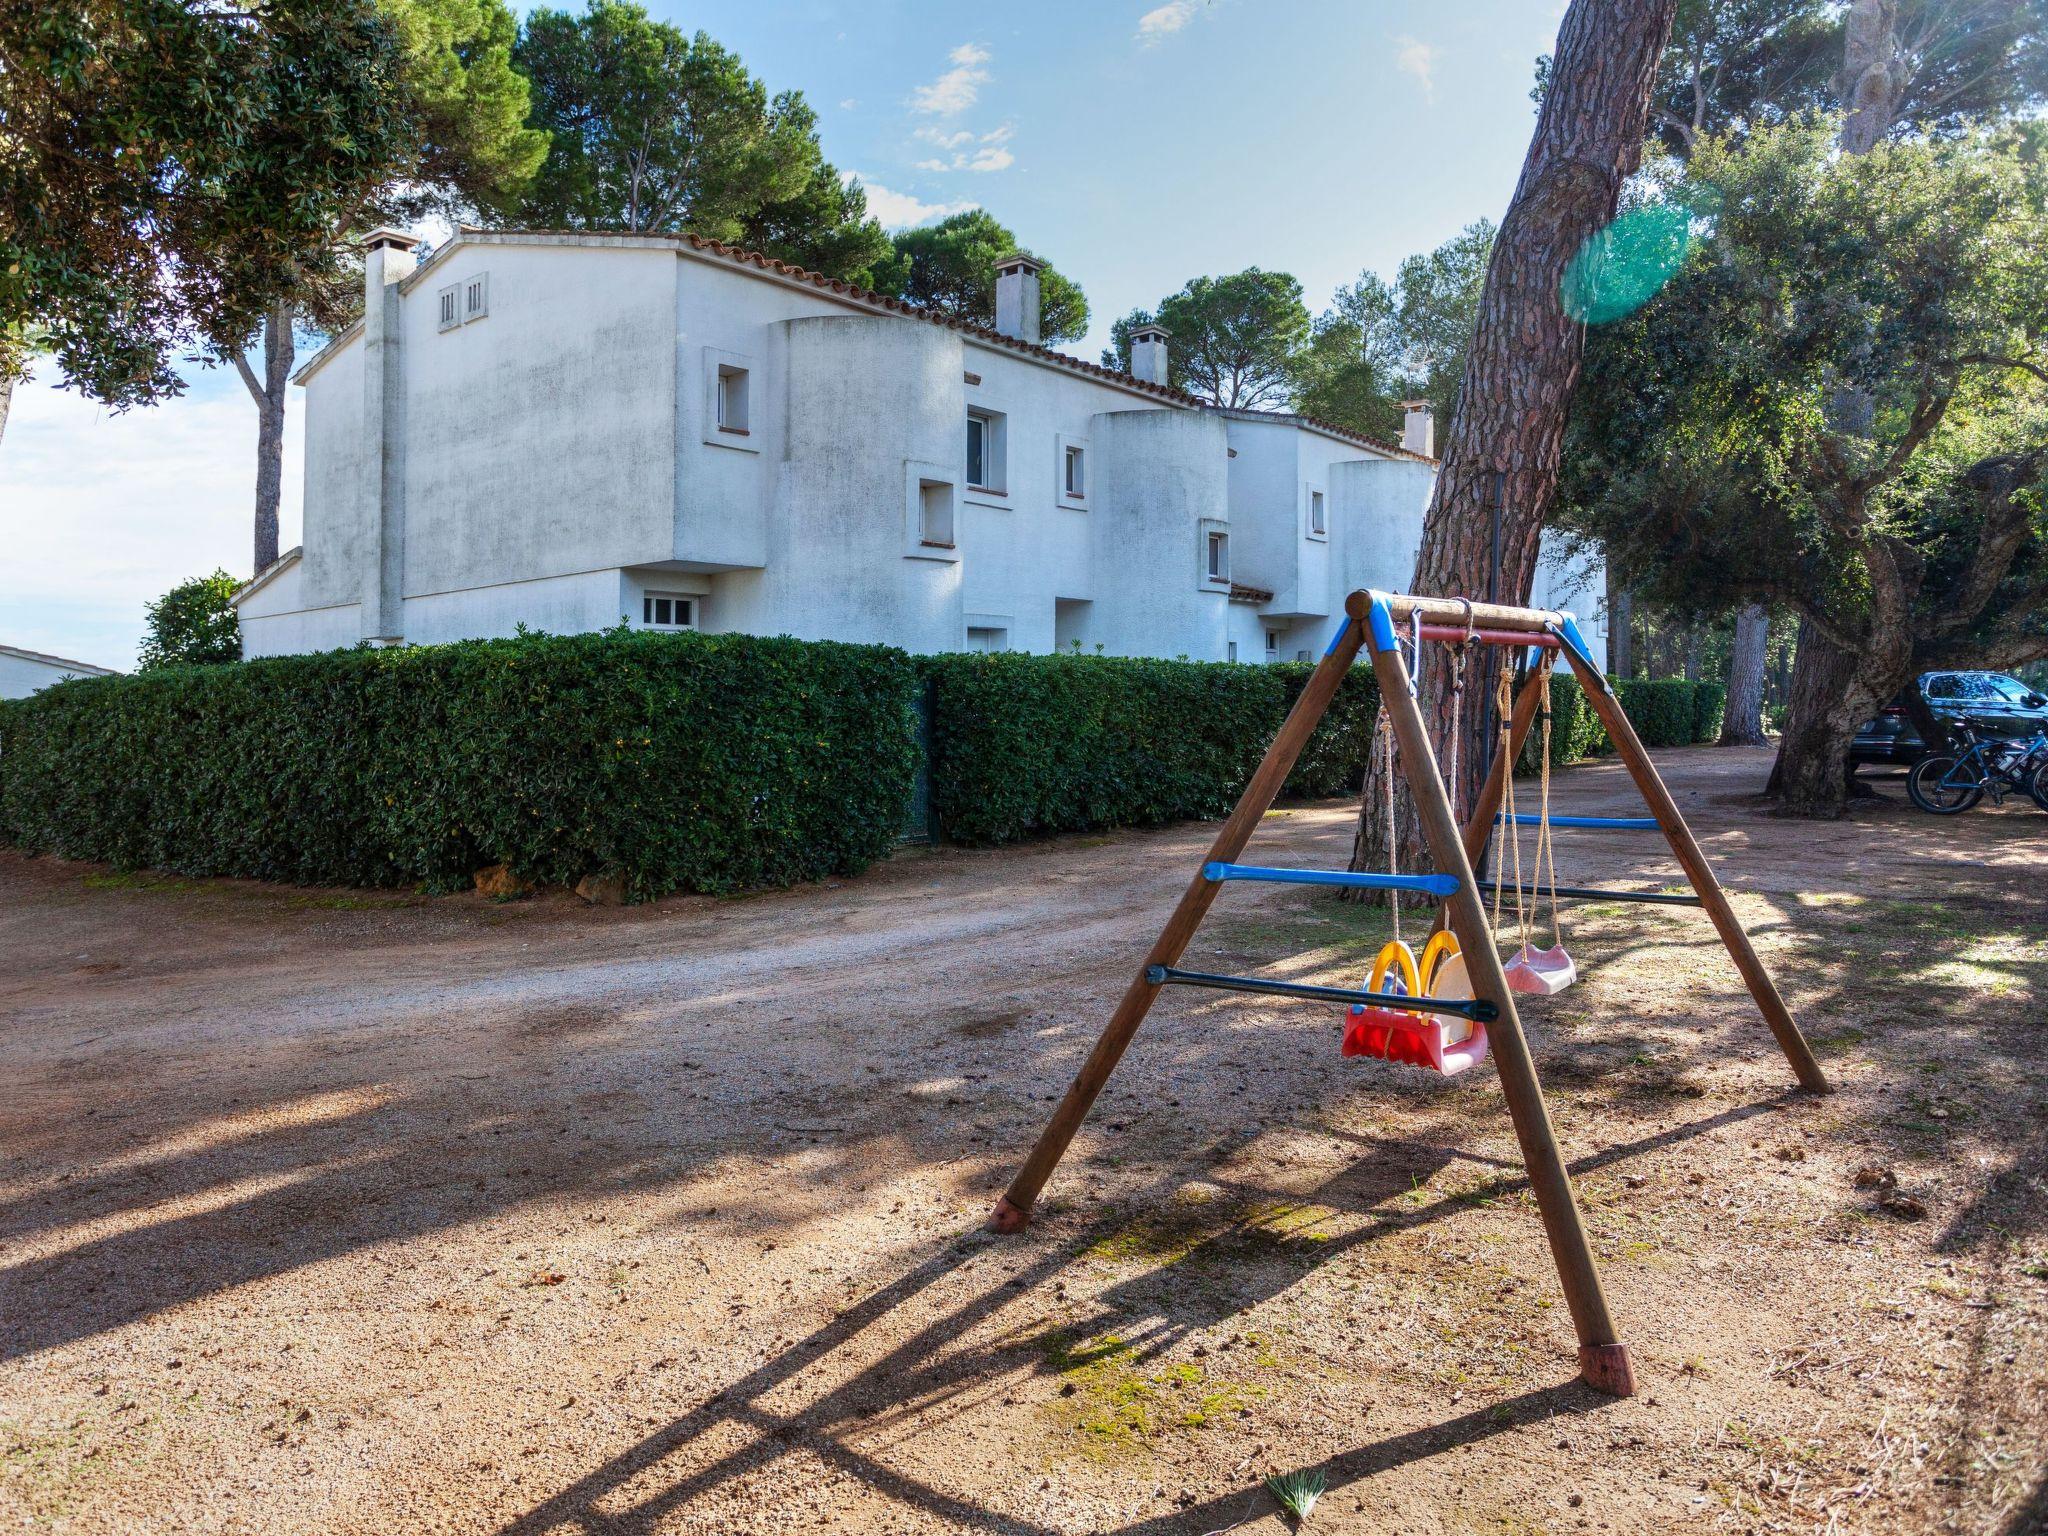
x: 1418, y: 428
x: 387, y: 257
x: 1148, y: 353
x: 1017, y: 296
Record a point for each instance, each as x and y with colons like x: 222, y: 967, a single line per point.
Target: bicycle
x: 1949, y: 783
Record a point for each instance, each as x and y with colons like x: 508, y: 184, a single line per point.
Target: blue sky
x: 1134, y: 144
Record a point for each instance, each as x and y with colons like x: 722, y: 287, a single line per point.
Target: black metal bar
x: 1592, y: 893
x: 1476, y: 1009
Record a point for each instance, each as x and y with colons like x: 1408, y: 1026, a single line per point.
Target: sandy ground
x: 355, y: 1212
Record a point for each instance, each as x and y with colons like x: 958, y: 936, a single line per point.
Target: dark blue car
x: 2000, y: 704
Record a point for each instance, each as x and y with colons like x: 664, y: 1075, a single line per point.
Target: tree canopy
x: 652, y: 129
x: 950, y: 268
x: 1715, y: 449
x: 168, y: 166
x: 1235, y: 340
x: 1382, y: 342
x: 193, y: 623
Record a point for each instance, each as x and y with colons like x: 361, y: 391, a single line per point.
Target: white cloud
x: 934, y: 165
x: 849, y: 104
x: 101, y: 513
x: 1155, y: 26
x: 939, y: 136
x: 999, y: 135
x: 900, y: 210
x: 1415, y: 57
x: 959, y: 87
x: 991, y: 159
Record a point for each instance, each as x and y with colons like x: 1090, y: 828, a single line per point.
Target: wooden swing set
x: 1455, y: 1005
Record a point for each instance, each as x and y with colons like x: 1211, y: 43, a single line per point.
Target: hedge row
x: 679, y: 762
x: 1666, y: 713
x: 1024, y: 745
x: 676, y: 762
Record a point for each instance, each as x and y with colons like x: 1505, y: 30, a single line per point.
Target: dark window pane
x: 646, y: 610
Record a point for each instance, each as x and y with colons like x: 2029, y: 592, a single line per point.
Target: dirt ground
x: 358, y: 1212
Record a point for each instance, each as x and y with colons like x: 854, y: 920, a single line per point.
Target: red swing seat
x: 1435, y: 1042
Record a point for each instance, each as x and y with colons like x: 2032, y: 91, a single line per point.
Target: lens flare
x: 1624, y: 266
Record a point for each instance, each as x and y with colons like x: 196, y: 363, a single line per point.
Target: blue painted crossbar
x: 1429, y: 885
x: 1606, y: 823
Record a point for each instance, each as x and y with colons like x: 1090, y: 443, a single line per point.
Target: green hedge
x: 1024, y: 745
x: 1668, y: 713
x: 680, y: 762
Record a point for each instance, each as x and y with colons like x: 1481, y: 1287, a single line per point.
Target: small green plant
x: 1296, y: 1492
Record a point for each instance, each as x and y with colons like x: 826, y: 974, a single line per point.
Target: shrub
x: 1708, y: 702
x: 193, y: 623
x: 1662, y: 712
x: 680, y: 762
x: 1025, y: 745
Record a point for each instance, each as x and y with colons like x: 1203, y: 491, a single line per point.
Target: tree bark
x: 1621, y: 623
x: 6, y: 401
x: 1742, y: 717
x: 1873, y: 74
x: 1522, y: 368
x: 269, y: 394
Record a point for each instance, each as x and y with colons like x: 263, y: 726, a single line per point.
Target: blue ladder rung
x: 1606, y: 823
x: 1429, y: 885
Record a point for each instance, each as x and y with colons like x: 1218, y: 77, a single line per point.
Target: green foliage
x: 1026, y: 745
x: 680, y: 762
x: 193, y: 623
x: 1829, y: 408
x: 1234, y: 339
x: 1709, y: 703
x: 172, y: 164
x: 950, y: 268
x: 1408, y: 338
x: 651, y: 129
x: 469, y: 103
x: 1663, y: 712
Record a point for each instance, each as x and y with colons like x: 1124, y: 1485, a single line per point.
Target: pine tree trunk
x: 6, y: 401
x: 1742, y: 717
x: 1873, y: 74
x: 269, y: 393
x: 1521, y: 370
x: 1621, y: 623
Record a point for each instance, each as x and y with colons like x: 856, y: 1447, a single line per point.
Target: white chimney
x: 1017, y: 296
x: 387, y: 257
x: 1148, y: 353
x: 1418, y: 428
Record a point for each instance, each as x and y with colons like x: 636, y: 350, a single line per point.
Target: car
x: 2001, y: 705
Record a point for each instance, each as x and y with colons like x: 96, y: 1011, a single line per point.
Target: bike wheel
x: 1928, y: 787
x: 2037, y: 786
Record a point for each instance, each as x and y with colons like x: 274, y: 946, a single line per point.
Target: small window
x: 980, y: 638
x: 1272, y: 641
x: 1230, y: 651
x: 935, y: 514
x: 1318, y: 523
x: 1076, y: 472
x: 476, y: 297
x: 1219, y: 557
x: 984, y: 451
x: 732, y: 399
x: 668, y: 610
x: 449, y: 303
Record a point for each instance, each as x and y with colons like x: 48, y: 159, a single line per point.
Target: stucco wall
x: 339, y: 481
x: 540, y: 437
x: 1164, y: 481
x: 21, y: 676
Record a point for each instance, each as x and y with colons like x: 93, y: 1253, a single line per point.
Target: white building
x: 24, y: 672
x: 568, y: 430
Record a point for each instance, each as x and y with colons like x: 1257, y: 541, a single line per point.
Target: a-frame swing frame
x: 1373, y: 620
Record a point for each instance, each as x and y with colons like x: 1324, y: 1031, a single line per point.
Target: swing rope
x: 1546, y: 845
x: 1504, y: 705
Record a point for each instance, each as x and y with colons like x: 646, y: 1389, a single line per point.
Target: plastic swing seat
x: 1541, y: 972
x: 1436, y: 1042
